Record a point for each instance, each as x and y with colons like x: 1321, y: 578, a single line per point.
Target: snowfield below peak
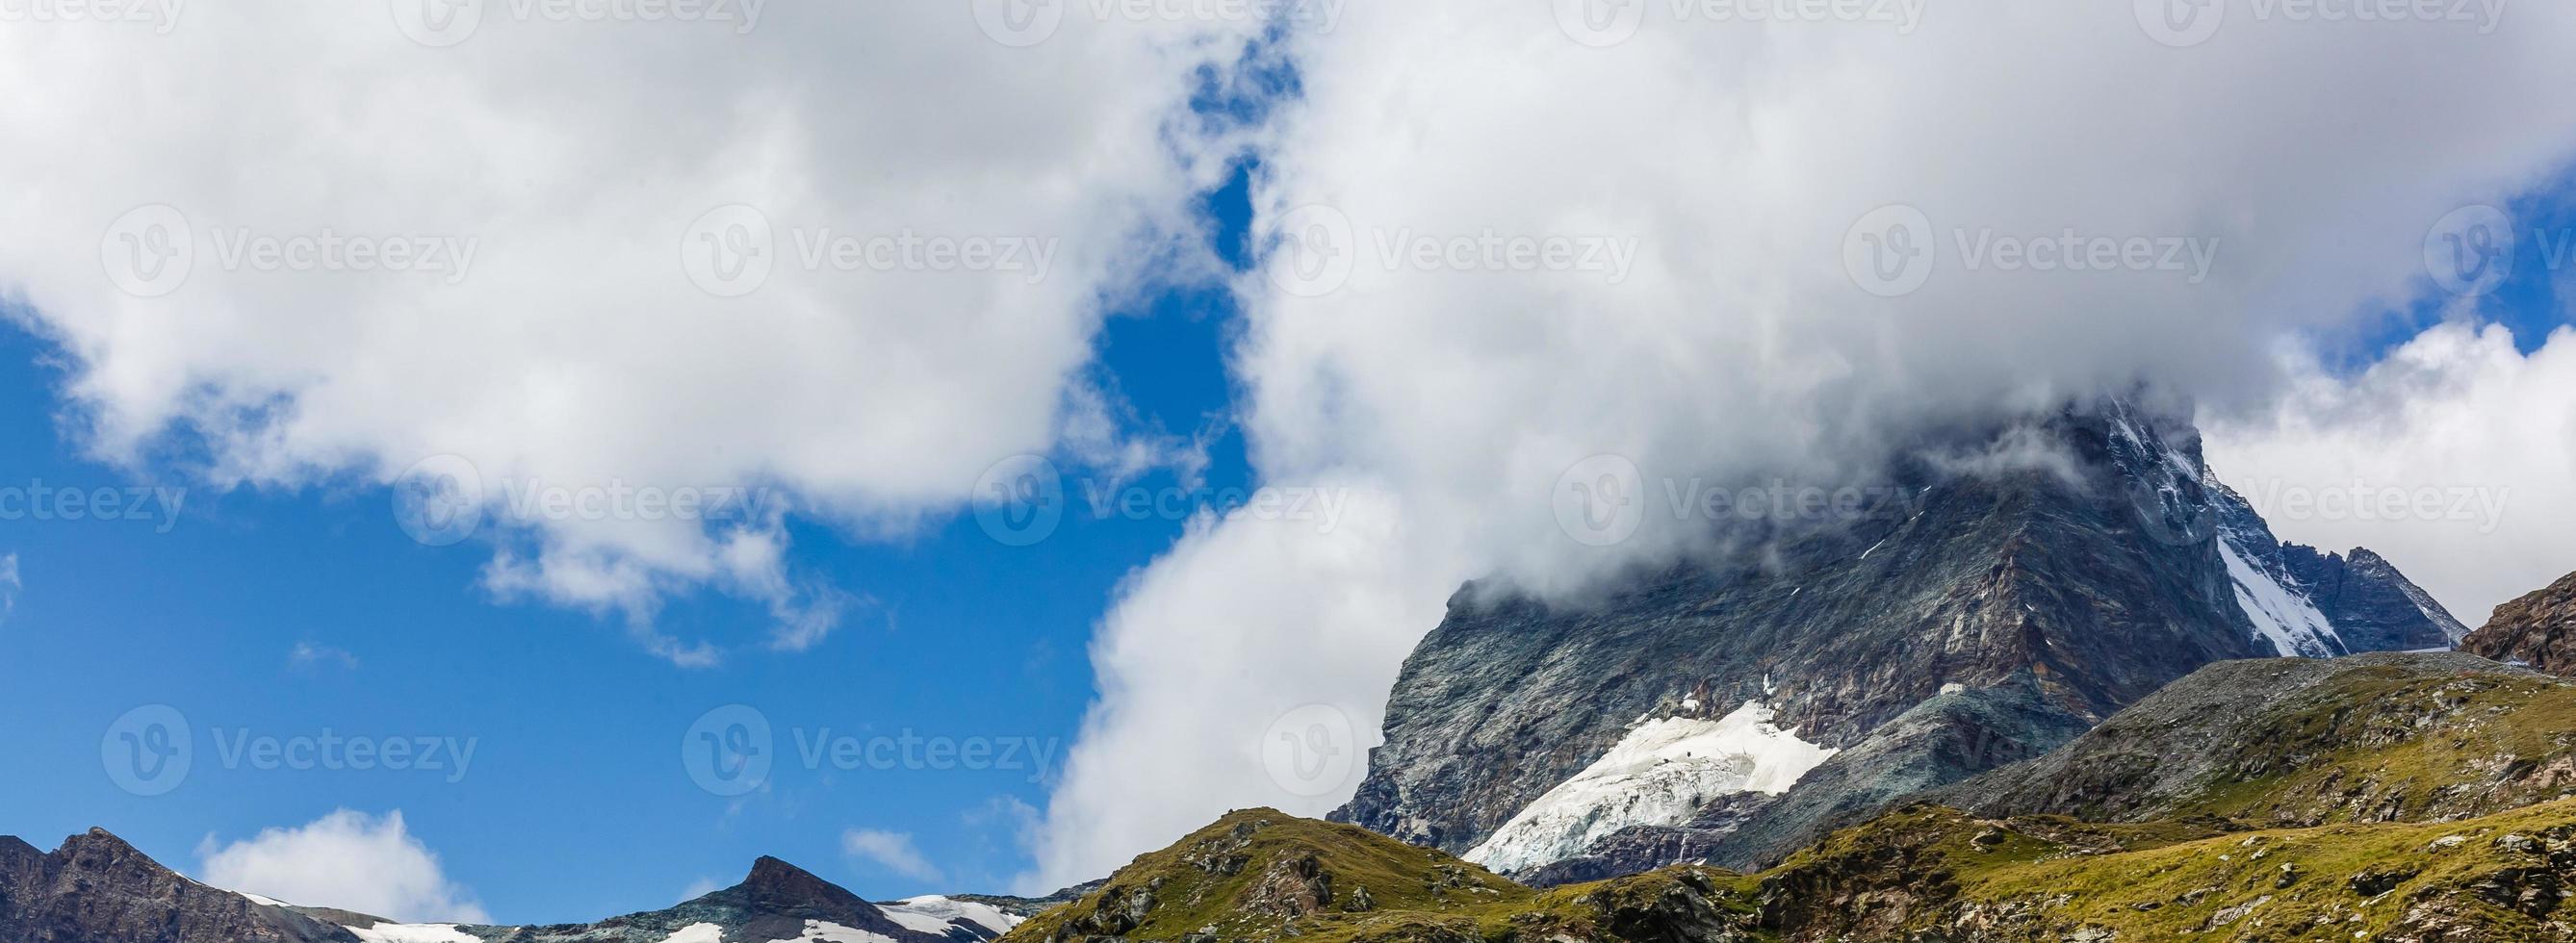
x: 413, y: 933
x: 1659, y: 774
x: 936, y: 914
x: 2282, y: 616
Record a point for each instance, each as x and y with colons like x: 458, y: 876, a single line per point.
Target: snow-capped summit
x: 2014, y: 604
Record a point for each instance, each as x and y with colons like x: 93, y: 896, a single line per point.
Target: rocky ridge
x: 98, y: 889
x: 1996, y: 613
x: 2297, y: 743
x: 2538, y: 629
x: 2210, y: 851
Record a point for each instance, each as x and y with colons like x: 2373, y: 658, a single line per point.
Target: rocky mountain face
x: 777, y: 903
x: 2374, y: 608
x: 1988, y: 617
x: 2395, y: 798
x: 98, y: 889
x: 2322, y: 605
x: 2537, y: 630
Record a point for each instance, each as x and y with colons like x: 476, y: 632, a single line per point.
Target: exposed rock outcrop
x: 1993, y: 611
x: 2537, y: 630
x: 2299, y: 742
x: 98, y: 889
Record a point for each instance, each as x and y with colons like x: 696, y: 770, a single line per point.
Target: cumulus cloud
x: 2451, y: 457
x: 348, y: 860
x: 313, y: 656
x: 1735, y: 184
x: 893, y: 851
x: 841, y: 258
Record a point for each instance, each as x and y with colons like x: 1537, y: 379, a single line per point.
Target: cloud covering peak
x: 1513, y: 248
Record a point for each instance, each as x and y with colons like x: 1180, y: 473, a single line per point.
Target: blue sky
x: 1451, y: 396
x: 575, y: 804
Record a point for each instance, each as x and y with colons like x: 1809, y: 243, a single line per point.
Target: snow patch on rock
x: 932, y: 913
x: 825, y: 931
x: 436, y: 933
x: 2281, y: 615
x: 1659, y: 774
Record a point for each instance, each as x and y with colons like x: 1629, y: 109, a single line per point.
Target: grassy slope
x: 1922, y: 868
x: 2405, y: 808
x: 2382, y: 748
x: 1417, y: 893
x: 2047, y: 878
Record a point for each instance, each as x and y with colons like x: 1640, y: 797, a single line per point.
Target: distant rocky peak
x: 776, y: 889
x: 96, y: 887
x: 2047, y: 570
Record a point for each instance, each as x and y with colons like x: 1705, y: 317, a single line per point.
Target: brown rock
x: 2538, y: 630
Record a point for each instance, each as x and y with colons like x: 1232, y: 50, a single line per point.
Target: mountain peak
x: 98, y: 887
x: 774, y: 881
x: 768, y: 869
x: 100, y: 841
x: 777, y: 887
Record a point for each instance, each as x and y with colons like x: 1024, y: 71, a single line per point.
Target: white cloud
x: 576, y: 352
x: 893, y: 851
x: 310, y: 655
x: 2311, y: 157
x: 1278, y: 614
x: 2460, y: 449
x: 701, y: 888
x: 347, y: 860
